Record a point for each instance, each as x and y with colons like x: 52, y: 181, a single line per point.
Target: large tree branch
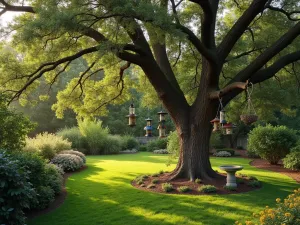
x: 12, y: 8
x: 265, y: 74
x: 271, y: 71
x: 208, y: 21
x: 239, y: 28
x: 268, y: 54
x: 289, y: 15
x: 229, y: 88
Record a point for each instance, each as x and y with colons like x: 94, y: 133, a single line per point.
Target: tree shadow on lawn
x: 138, y: 157
x: 93, y: 200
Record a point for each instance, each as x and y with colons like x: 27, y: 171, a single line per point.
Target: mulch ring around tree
x: 154, y: 184
x: 263, y: 164
x: 59, y: 200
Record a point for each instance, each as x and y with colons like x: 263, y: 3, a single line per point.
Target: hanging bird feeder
x: 222, y: 117
x: 249, y: 115
x: 216, y: 123
x: 228, y: 128
x: 162, y: 127
x: 148, y: 128
x: 132, y: 116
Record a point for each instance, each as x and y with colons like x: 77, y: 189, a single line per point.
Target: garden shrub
x: 230, y: 150
x: 14, y: 127
x: 216, y: 140
x: 167, y: 187
x: 173, y: 145
x: 68, y: 162
x: 207, y: 189
x: 45, y: 196
x: 240, y: 147
x: 143, y: 148
x: 272, y: 143
x: 112, y: 145
x: 74, y: 136
x: 94, y: 134
x: 72, y: 152
x: 254, y: 183
x: 161, y: 151
x: 222, y: 154
x: 47, y: 144
x: 160, y: 143
x: 42, y: 176
x: 16, y: 191
x: 292, y: 161
x: 132, y: 151
x: 252, y: 154
x: 129, y: 142
x: 54, y: 177
x: 183, y: 189
x: 286, y: 212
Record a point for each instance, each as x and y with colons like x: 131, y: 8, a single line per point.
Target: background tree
x: 113, y: 35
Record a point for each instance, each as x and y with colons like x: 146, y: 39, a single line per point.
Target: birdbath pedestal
x: 231, y: 170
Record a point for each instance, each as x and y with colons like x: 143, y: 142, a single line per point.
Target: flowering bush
x: 161, y: 151
x: 287, y: 212
x: 68, y: 162
x: 72, y: 152
x: 222, y: 154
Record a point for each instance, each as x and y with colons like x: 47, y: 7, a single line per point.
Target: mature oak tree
x: 143, y: 33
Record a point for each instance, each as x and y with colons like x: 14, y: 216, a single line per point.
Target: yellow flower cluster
x: 287, y: 212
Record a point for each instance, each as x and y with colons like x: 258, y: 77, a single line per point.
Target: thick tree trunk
x: 194, y: 160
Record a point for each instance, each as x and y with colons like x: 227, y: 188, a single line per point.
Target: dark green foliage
x: 230, y: 150
x: 292, y: 160
x: 216, y: 140
x: 68, y: 162
x: 230, y: 188
x: 207, y: 189
x: 46, y: 178
x: 254, y: 183
x: 14, y: 127
x: 240, y: 180
x: 167, y: 187
x: 129, y: 142
x: 143, y: 148
x: 47, y: 152
x: 272, y: 143
x: 183, y: 189
x: 240, y: 147
x: 16, y: 192
x: 160, y: 143
x: 45, y: 196
x: 53, y: 176
x: 252, y: 154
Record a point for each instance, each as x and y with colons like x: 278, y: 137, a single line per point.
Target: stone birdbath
x: 231, y: 170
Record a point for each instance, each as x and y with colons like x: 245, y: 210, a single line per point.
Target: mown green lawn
x: 103, y: 195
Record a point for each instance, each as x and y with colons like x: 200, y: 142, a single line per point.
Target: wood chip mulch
x: 263, y: 164
x: 219, y: 183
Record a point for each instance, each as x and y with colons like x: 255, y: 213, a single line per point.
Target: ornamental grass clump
x: 207, y: 189
x: 167, y: 187
x: 183, y: 189
x: 286, y: 212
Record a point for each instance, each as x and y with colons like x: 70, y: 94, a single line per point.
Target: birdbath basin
x: 231, y: 170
